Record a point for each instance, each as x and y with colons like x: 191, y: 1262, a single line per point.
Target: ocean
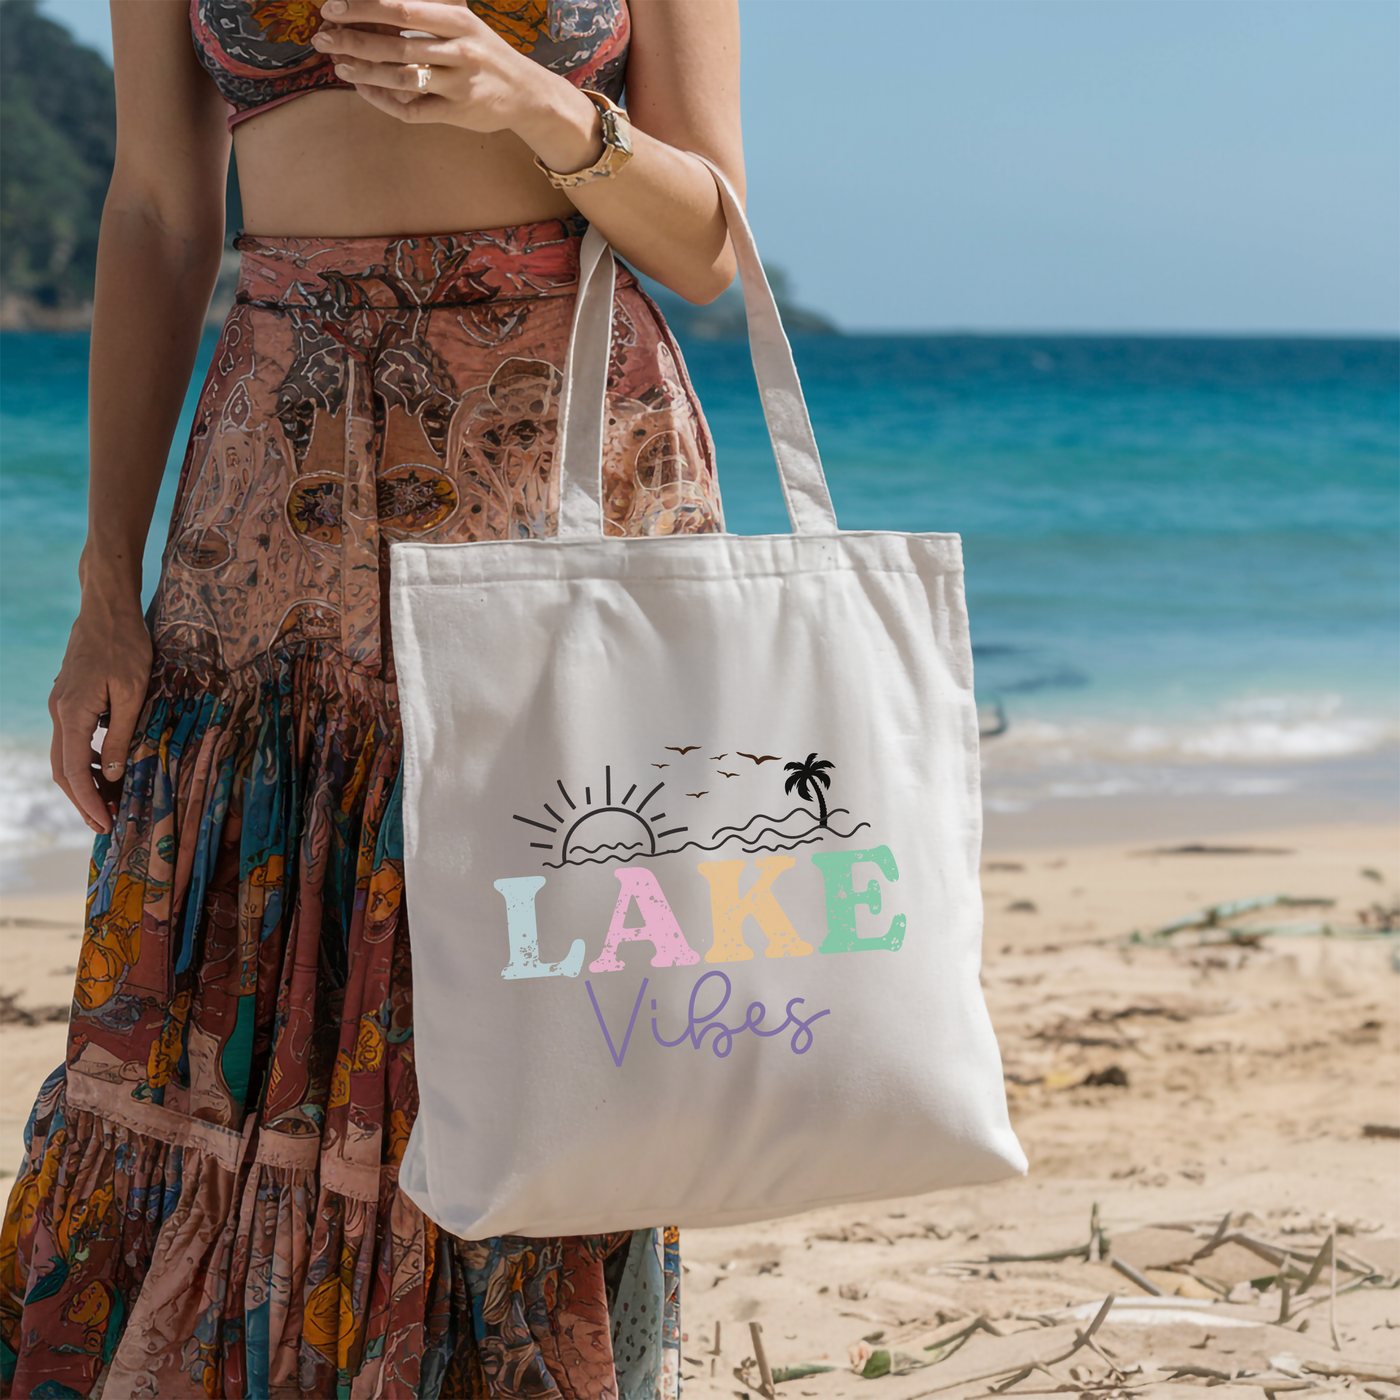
x: 1183, y: 555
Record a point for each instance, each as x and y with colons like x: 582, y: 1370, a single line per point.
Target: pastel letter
x: 658, y: 927
x: 519, y: 895
x: 842, y: 898
x: 729, y: 910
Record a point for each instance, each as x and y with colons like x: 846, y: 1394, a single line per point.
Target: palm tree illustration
x: 809, y: 778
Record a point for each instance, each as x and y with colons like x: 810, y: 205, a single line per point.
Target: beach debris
x: 1012, y: 1371
x: 743, y: 1371
x: 1171, y: 1013
x: 1070, y: 1030
x: 1380, y: 1130
x: 1216, y: 923
x: 765, y: 1374
x: 1155, y: 1247
x: 1332, y: 1301
x: 1142, y: 1281
x: 1073, y: 1251
x: 1022, y: 906
x: 949, y: 1342
x: 858, y: 1232
x: 782, y: 1374
x: 1360, y: 1371
x: 1216, y: 915
x: 13, y: 1014
x: 1187, y: 1266
x: 1326, y: 1253
x: 1198, y: 848
x: 869, y: 1362
x: 1380, y: 918
x: 1233, y: 1263
x: 994, y: 725
x: 1115, y: 1077
x: 1217, y: 1236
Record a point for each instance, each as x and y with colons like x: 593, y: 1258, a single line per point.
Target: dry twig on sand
x: 1022, y: 1370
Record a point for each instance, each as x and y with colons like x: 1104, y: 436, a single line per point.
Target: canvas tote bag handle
x: 582, y: 407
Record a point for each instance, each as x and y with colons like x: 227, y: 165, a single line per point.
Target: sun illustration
x: 590, y: 830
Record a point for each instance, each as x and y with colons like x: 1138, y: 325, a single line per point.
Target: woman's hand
x: 105, y: 673
x: 475, y: 79
x: 661, y: 210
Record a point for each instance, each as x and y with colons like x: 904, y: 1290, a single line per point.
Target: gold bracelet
x: 617, y: 146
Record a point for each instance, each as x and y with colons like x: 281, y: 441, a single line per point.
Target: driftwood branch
x: 1082, y: 1339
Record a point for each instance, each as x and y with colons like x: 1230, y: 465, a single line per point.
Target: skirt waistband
x: 409, y: 272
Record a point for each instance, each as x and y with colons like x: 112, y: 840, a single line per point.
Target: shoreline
x: 1359, y: 792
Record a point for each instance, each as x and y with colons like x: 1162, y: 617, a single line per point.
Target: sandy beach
x: 1243, y: 1065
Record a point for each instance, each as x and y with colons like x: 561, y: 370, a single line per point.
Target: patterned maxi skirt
x: 208, y: 1202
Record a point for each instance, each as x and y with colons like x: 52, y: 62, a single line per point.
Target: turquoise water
x: 1179, y: 552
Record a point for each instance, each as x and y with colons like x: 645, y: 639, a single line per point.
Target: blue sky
x: 1078, y: 165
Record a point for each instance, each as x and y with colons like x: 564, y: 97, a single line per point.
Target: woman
x: 209, y: 1203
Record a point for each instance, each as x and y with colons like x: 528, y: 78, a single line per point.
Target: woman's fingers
x: 447, y: 20
x: 56, y: 759
x: 343, y: 43
x: 74, y: 722
x: 389, y: 76
x: 404, y: 105
x: 121, y: 725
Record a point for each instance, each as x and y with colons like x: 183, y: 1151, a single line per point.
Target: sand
x: 1235, y: 1076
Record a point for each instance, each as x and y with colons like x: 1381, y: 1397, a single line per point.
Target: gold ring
x: 425, y: 75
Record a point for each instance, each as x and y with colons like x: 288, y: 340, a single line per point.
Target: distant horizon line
x: 969, y: 333
x: 960, y: 333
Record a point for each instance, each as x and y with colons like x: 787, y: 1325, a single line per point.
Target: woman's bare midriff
x: 327, y: 164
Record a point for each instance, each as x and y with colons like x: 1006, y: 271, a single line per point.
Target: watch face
x: 616, y: 134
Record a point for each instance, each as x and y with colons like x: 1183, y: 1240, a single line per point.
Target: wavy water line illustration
x: 764, y: 817
x: 588, y: 860
x: 778, y: 831
x: 750, y: 842
x: 803, y: 839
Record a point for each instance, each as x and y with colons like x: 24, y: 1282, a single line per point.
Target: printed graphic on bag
x: 589, y: 833
x: 595, y: 834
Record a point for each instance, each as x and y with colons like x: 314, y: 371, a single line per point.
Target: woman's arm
x: 661, y: 211
x: 157, y: 262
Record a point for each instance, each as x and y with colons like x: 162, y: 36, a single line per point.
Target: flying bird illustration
x: 660, y: 765
x: 697, y: 794
x: 716, y: 757
x: 766, y: 758
x: 671, y: 748
x: 723, y: 774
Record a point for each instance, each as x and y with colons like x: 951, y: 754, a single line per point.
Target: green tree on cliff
x: 57, y: 142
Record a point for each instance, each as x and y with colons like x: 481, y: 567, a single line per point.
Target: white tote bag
x: 691, y: 837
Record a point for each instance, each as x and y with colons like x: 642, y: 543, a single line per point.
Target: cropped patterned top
x: 259, y: 52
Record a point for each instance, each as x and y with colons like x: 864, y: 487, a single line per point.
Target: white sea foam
x: 1262, y: 740
x: 1262, y: 730
x: 35, y: 816
x: 1251, y: 748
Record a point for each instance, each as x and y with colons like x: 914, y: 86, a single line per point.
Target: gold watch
x: 617, y: 146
